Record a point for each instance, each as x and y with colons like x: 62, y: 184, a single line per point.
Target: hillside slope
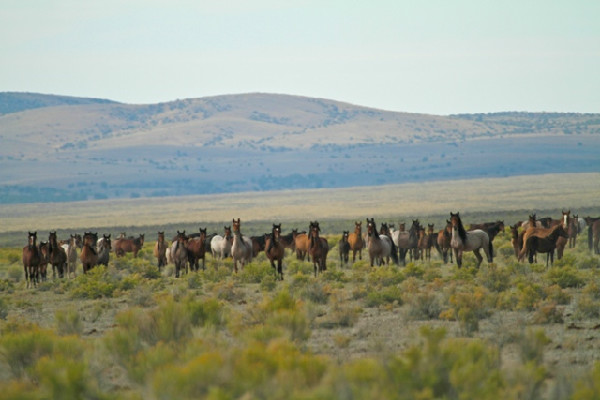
x: 56, y: 148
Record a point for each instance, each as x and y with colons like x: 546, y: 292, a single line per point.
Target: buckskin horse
x: 356, y: 242
x: 275, y: 250
x: 31, y: 260
x: 462, y: 241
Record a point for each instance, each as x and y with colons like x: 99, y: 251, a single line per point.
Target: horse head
x: 566, y: 218
x: 31, y: 239
x: 106, y: 240
x: 371, y: 227
x: 457, y: 226
x: 227, y: 231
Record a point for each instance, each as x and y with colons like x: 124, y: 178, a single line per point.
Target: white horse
x: 241, y: 248
x: 469, y: 241
x: 221, y: 246
x: 379, y: 246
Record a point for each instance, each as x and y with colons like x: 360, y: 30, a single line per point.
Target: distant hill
x: 58, y: 148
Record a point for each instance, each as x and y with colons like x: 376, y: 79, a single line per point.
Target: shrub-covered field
x: 420, y: 331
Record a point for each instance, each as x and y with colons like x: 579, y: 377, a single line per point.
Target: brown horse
x: 344, y: 248
x: 443, y: 242
x: 57, y: 256
x: 544, y: 242
x: 31, y: 260
x: 542, y: 233
x: 573, y: 231
x: 356, y: 242
x: 317, y: 248
x: 129, y: 245
x: 593, y: 233
x: 275, y: 250
x: 516, y: 239
x: 258, y: 244
x: 196, y: 251
x: 160, y: 250
x: 89, y: 256
x: 301, y: 243
x: 429, y: 241
x: 43, y: 268
x: 180, y: 253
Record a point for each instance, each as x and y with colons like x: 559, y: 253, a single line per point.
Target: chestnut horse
x: 89, y: 256
x: 356, y: 242
x: 160, y: 250
x: 275, y: 250
x: 196, y: 250
x: 301, y: 243
x: 31, y: 260
x: 443, y: 242
x: 469, y: 241
x: 344, y: 248
x: 57, y: 256
x: 129, y: 245
x: 318, y: 248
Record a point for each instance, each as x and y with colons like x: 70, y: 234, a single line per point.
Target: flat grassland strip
x: 531, y: 192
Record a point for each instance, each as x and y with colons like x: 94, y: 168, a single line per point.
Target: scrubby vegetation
x: 425, y: 330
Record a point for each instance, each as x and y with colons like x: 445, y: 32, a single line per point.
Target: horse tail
x: 491, y: 250
x: 590, y: 237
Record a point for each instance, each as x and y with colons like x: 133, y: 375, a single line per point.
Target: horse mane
x: 462, y: 233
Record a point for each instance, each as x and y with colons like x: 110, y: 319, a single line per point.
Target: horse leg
x: 280, y: 268
x: 458, y: 256
x: 478, y: 256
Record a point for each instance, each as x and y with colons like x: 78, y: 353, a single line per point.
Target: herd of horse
x: 536, y: 235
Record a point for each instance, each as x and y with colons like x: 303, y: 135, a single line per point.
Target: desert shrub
x: 97, y: 283
x: 588, y: 387
x: 3, y: 308
x: 141, y: 296
x: 268, y: 283
x: 587, y: 307
x: 565, y: 277
x: 341, y: 313
x: 384, y: 276
x: 6, y: 286
x: 226, y: 290
x: 255, y: 272
x: 531, y: 345
x: 391, y: 295
x: 22, y: 346
x: 433, y: 272
x: 557, y: 295
x: 295, y: 266
x: 15, y: 273
x: 414, y: 270
x: 528, y: 295
x: 465, y: 273
x: 334, y: 274
x: 68, y: 322
x: 215, y: 274
x: 495, y: 279
x: 588, y: 261
x: 423, y: 305
x: 62, y: 377
x: 316, y: 292
x: 547, y: 313
x: 468, y: 308
x: 209, y: 312
x: 194, y: 281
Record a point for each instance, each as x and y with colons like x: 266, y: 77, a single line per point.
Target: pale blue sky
x: 436, y: 57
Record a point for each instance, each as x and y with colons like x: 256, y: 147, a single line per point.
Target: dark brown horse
x: 57, y: 256
x: 89, y: 255
x: 275, y: 250
x: 317, y: 248
x: 544, y: 242
x: 43, y: 268
x: 593, y: 233
x: 356, y: 242
x: 197, y: 251
x: 443, y: 242
x: 573, y: 231
x: 180, y: 253
x: 160, y: 250
x: 31, y: 260
x: 129, y: 245
x: 344, y: 248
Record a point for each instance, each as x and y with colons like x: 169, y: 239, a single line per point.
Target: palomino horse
x: 379, y: 246
x: 197, y: 251
x: 160, y: 250
x: 469, y: 241
x: 593, y: 234
x: 220, y: 246
x: 104, y: 247
x: 179, y: 253
x: 543, y: 240
x: 317, y: 248
x: 344, y: 248
x: 31, y: 260
x: 241, y: 248
x: 57, y: 256
x: 275, y: 250
x: 129, y: 245
x: 89, y: 256
x: 72, y: 256
x: 356, y: 242
x: 443, y: 242
x: 301, y: 243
